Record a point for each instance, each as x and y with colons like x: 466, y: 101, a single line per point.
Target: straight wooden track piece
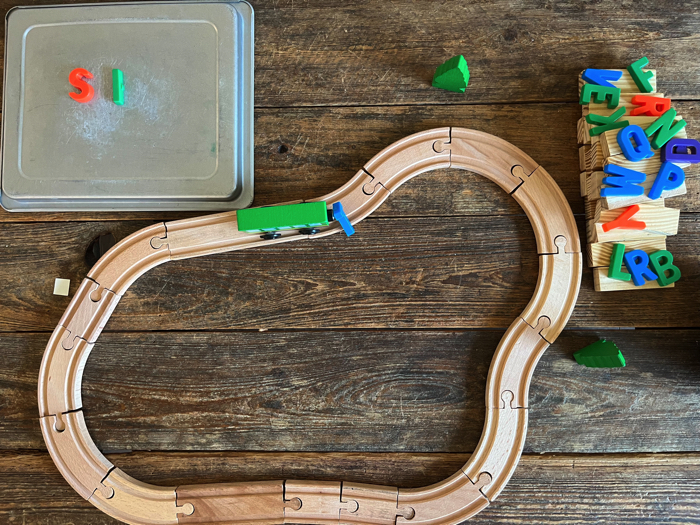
x: 448, y: 502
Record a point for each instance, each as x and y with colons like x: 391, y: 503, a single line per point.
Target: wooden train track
x: 451, y: 501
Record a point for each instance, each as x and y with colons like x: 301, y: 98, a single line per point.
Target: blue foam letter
x: 670, y: 177
x: 634, y: 153
x: 681, y: 150
x: 601, y: 76
x: 625, y: 182
x: 637, y: 262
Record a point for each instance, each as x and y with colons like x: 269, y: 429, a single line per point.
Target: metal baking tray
x: 183, y: 140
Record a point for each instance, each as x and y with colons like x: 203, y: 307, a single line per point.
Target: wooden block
x: 61, y: 287
x: 659, y: 221
x: 609, y: 138
x: 599, y: 252
x: 582, y: 152
x: 625, y: 84
x: 594, y: 157
x: 654, y: 164
x: 603, y: 283
x: 600, y: 206
x: 625, y: 101
x: 590, y: 207
x: 650, y: 166
x: 594, y: 182
x: 583, y: 131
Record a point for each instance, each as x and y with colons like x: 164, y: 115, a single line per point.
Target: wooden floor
x: 365, y: 358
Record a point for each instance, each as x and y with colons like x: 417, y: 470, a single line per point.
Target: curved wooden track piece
x: 274, y: 502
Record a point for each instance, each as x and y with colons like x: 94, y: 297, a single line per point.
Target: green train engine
x: 305, y: 217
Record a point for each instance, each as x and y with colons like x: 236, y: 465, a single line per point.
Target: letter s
x: 76, y: 79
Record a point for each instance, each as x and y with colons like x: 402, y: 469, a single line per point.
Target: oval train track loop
x: 450, y: 501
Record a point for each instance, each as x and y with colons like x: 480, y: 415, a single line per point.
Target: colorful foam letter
x: 666, y: 266
x: 681, y: 150
x: 665, y: 128
x: 601, y: 76
x: 118, y: 87
x: 625, y: 182
x: 615, y: 268
x: 624, y: 221
x: 635, y: 153
x: 669, y: 177
x: 637, y: 262
x: 600, y: 94
x: 653, y: 106
x: 641, y: 78
x: 606, y: 123
x: 77, y: 79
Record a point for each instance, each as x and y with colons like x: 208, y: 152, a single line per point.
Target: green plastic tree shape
x: 453, y: 75
x: 601, y: 354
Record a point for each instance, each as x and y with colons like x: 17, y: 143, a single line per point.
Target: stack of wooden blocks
x: 612, y: 101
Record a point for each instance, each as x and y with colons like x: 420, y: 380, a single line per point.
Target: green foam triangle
x: 453, y: 75
x: 601, y: 354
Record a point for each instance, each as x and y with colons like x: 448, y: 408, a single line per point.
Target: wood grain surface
x: 360, y: 370
x: 555, y: 489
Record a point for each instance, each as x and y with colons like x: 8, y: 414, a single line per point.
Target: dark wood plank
x: 621, y: 489
x: 465, y: 272
x: 359, y: 391
x: 330, y: 52
x: 307, y: 152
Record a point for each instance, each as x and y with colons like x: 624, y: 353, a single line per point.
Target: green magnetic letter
x: 665, y: 127
x: 615, y: 268
x: 660, y: 268
x: 600, y: 94
x: 641, y: 78
x: 606, y: 123
x: 118, y: 87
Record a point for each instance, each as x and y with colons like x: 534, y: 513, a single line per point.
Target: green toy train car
x: 305, y: 217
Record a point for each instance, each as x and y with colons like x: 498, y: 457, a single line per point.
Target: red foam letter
x: 654, y: 106
x: 76, y: 79
x: 624, y: 221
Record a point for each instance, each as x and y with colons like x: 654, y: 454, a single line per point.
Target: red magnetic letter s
x: 76, y: 79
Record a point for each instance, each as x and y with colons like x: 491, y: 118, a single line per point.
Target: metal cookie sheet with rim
x: 182, y: 141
